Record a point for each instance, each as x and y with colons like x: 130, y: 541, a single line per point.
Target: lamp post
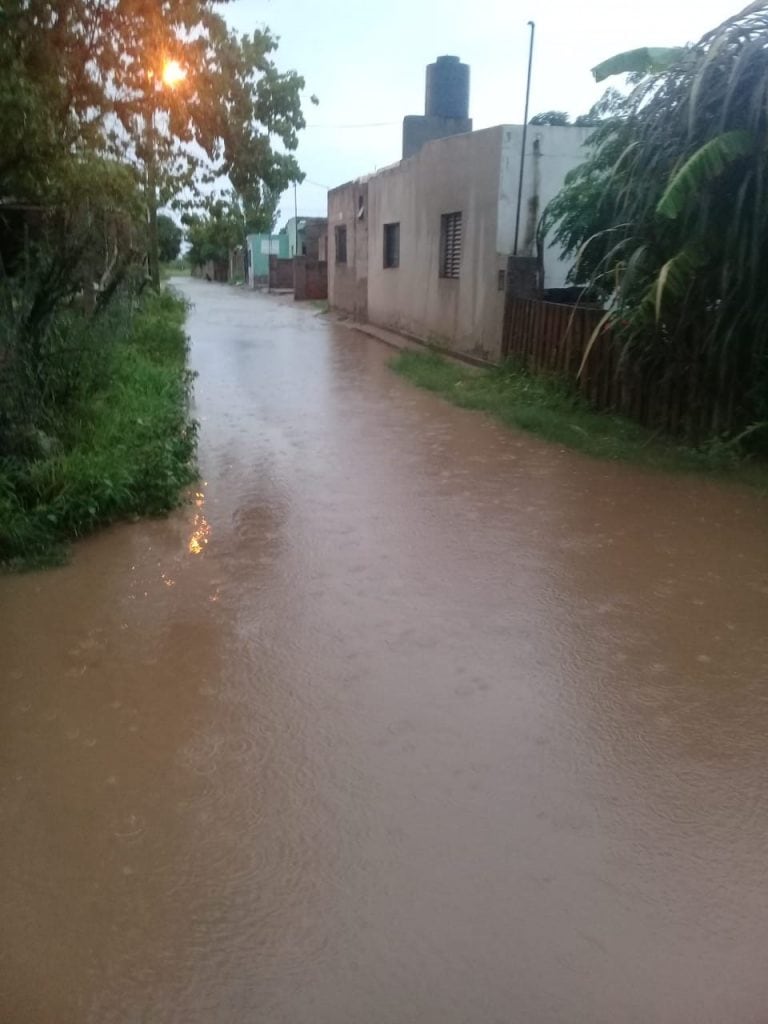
x: 172, y: 74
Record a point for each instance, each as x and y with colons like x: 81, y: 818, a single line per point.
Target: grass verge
x: 551, y: 409
x: 123, y: 449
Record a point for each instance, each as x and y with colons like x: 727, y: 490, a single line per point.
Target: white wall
x: 551, y: 152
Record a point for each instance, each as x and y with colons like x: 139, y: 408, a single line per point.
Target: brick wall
x: 311, y: 279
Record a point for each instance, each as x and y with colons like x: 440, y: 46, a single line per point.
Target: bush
x: 113, y: 436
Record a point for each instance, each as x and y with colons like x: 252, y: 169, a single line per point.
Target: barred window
x: 450, y: 244
x: 341, y: 244
x: 391, y: 245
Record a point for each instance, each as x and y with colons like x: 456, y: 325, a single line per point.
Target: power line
x: 370, y: 124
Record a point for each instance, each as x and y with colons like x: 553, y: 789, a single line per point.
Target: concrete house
x: 260, y: 248
x: 304, y: 236
x: 423, y: 246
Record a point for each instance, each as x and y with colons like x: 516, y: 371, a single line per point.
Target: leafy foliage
x: 668, y: 217
x: 87, y: 78
x: 169, y: 237
x: 119, y: 444
x: 554, y: 117
x: 647, y: 60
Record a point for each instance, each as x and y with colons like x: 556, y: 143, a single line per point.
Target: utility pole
x: 295, y: 234
x: 296, y: 222
x: 525, y: 139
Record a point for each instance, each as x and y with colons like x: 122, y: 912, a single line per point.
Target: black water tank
x: 447, y: 88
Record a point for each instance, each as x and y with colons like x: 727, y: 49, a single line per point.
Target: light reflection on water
x: 201, y: 528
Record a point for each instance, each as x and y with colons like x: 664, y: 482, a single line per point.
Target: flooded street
x: 409, y: 719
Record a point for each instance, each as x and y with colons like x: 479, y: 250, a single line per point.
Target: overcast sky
x: 365, y: 62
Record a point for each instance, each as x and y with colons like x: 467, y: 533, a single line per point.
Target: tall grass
x: 118, y: 442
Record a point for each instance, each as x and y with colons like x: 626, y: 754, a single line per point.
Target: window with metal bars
x: 450, y: 244
x: 391, y: 245
x: 341, y: 244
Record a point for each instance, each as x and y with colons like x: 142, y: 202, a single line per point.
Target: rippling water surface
x: 406, y: 719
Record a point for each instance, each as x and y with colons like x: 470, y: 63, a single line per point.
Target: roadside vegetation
x: 666, y: 220
x: 111, y: 112
x: 111, y: 436
x: 552, y: 409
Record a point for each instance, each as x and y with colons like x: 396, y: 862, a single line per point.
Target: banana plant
x: 669, y: 213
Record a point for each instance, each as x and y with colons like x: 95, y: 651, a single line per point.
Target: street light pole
x: 525, y: 139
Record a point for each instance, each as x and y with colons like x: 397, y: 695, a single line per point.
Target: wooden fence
x: 547, y: 337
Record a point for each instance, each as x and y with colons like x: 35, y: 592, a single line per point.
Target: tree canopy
x: 169, y: 237
x: 554, y: 117
x: 83, y: 80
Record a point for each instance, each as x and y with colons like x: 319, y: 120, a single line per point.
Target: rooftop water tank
x: 447, y: 88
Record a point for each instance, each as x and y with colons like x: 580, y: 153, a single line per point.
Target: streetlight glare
x: 173, y: 73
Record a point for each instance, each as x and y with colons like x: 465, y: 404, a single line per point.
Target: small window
x: 360, y: 208
x: 341, y: 244
x: 450, y: 244
x: 391, y: 245
x: 501, y: 280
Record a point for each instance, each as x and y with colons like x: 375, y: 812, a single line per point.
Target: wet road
x: 408, y: 720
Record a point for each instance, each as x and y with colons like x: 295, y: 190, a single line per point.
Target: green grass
x: 122, y: 450
x: 549, y: 408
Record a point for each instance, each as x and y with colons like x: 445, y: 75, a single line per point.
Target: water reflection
x: 201, y: 528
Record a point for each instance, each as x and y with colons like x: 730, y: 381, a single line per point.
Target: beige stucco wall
x: 476, y: 174
x: 449, y: 175
x: 348, y: 282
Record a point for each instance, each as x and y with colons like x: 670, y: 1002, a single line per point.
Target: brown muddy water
x: 408, y: 719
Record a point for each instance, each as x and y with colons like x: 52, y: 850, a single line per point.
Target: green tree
x: 77, y: 77
x: 609, y: 104
x: 668, y: 216
x: 553, y: 117
x: 169, y: 238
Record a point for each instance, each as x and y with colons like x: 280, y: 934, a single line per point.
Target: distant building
x: 294, y: 260
x: 423, y: 246
x: 304, y: 235
x: 260, y: 248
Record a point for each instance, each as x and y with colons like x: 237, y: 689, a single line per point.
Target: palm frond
x: 701, y: 169
x: 646, y: 60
